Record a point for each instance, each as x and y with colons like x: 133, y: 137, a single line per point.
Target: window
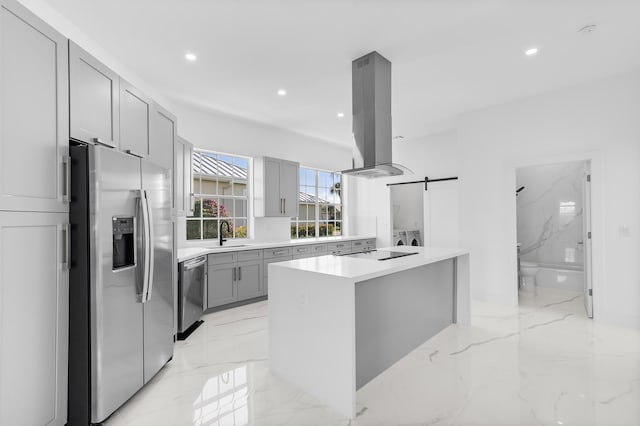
x: 320, y: 205
x: 220, y: 191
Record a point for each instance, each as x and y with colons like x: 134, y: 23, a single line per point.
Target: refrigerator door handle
x: 150, y: 246
x: 145, y: 245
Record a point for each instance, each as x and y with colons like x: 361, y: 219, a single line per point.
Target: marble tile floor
x: 544, y: 363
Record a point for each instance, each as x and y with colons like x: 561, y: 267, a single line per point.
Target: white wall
x: 598, y: 121
x: 225, y: 133
x: 216, y: 131
x: 434, y: 156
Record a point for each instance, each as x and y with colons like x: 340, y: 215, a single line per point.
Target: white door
x: 34, y: 312
x: 441, y: 211
x: 34, y: 108
x: 588, y: 283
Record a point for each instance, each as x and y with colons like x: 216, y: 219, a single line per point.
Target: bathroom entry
x: 553, y: 203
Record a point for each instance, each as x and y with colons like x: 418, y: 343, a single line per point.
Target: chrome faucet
x: 222, y: 222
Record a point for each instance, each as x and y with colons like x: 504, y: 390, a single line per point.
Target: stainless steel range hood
x: 371, y: 91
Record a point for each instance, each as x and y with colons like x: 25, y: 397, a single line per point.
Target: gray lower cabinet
x: 34, y: 113
x: 94, y: 99
x: 302, y: 252
x: 358, y: 246
x: 34, y: 322
x: 221, y: 285
x: 234, y: 277
x: 249, y: 279
x: 272, y: 255
x: 341, y: 247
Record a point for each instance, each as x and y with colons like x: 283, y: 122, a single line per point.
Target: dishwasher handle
x: 187, y: 266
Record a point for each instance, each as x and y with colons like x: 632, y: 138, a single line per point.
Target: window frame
x: 317, y: 221
x: 220, y: 199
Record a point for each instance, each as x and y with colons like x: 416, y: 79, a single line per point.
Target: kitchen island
x: 336, y: 322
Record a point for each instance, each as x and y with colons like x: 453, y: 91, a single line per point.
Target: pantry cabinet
x: 34, y: 302
x: 34, y: 113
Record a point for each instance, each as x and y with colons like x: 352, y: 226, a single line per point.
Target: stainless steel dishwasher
x: 191, y: 283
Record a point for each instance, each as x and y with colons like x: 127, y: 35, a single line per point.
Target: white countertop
x: 187, y: 253
x: 363, y: 269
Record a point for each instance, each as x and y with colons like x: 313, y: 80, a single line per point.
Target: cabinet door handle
x: 280, y: 252
x: 234, y: 274
x: 284, y: 205
x: 99, y: 141
x: 67, y: 246
x: 239, y: 273
x: 339, y: 245
x: 66, y: 166
x: 135, y: 154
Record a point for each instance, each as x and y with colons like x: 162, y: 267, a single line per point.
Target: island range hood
x: 371, y: 92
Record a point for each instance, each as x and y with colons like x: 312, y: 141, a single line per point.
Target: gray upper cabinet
x: 183, y: 178
x: 34, y: 113
x: 94, y: 99
x: 276, y: 184
x: 289, y: 187
x: 135, y: 121
x: 163, y: 137
x: 272, y: 190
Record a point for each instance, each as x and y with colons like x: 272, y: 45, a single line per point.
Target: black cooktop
x: 378, y: 254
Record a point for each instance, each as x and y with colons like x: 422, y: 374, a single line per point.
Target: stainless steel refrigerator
x: 121, y: 292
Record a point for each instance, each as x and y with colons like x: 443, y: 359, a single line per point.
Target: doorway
x: 553, y: 205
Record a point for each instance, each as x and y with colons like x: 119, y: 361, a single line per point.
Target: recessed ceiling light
x: 340, y: 114
x: 531, y: 51
x: 190, y: 56
x: 282, y: 92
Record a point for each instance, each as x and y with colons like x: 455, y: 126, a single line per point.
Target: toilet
x: 528, y: 271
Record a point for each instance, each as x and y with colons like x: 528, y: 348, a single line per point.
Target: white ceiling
x: 448, y: 56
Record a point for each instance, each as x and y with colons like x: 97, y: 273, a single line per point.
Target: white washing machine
x: 399, y: 237
x: 413, y: 238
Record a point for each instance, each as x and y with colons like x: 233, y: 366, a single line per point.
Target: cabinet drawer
x: 220, y: 258
x: 340, y: 247
x: 358, y: 245
x: 249, y: 255
x: 302, y: 250
x: 319, y: 249
x: 371, y: 243
x: 266, y: 262
x: 277, y: 252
